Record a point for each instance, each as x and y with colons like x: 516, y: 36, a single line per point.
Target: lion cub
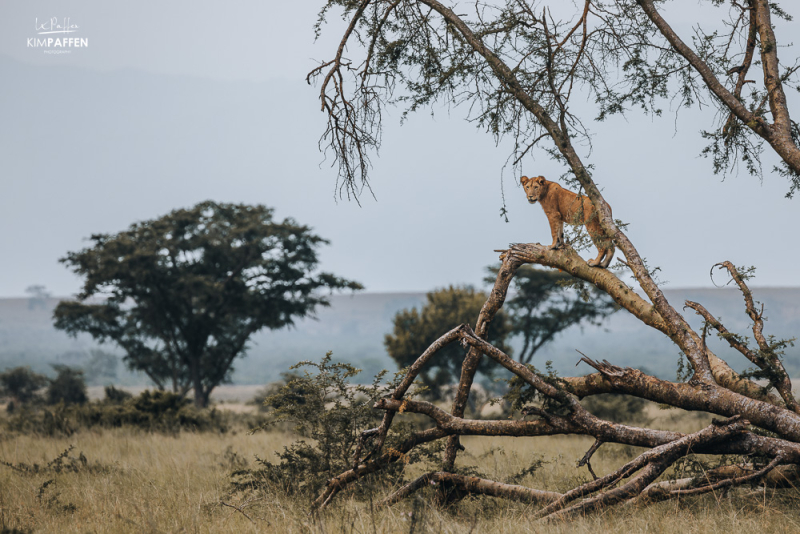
x: 562, y: 206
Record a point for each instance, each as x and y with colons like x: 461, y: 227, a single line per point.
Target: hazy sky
x: 177, y: 102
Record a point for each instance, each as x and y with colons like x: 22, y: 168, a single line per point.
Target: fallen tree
x: 519, y: 67
x: 745, y: 405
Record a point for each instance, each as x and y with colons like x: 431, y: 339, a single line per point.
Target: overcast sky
x: 177, y: 102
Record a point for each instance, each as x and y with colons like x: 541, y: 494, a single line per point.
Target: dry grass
x: 139, y: 482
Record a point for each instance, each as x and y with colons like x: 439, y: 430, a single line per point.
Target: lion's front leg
x: 557, y: 231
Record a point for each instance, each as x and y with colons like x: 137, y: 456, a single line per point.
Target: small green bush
x: 116, y: 396
x: 159, y: 411
x: 152, y: 411
x: 328, y: 413
x: 67, y: 387
x: 21, y: 385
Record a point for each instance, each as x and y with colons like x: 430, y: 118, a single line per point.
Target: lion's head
x: 535, y: 188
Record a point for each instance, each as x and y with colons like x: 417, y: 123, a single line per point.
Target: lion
x: 560, y: 206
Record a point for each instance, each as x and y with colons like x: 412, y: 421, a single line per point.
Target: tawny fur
x: 560, y: 206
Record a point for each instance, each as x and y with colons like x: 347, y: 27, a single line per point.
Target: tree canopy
x: 516, y: 65
x: 544, y: 304
x: 415, y: 330
x: 183, y: 293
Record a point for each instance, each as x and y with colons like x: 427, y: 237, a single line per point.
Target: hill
x: 354, y: 327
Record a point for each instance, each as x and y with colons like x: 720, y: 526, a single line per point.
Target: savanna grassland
x: 129, y: 480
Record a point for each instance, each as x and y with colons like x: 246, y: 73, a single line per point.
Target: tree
x: 517, y: 68
x: 182, y: 294
x: 544, y: 306
x: 415, y: 330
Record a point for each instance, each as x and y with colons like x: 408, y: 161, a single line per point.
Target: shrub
x: 158, y: 411
x: 20, y: 384
x: 116, y: 396
x: 153, y: 411
x: 295, y: 392
x: 68, y: 386
x: 329, y: 413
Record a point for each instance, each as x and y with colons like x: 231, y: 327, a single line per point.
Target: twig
x: 588, y: 456
x: 238, y: 509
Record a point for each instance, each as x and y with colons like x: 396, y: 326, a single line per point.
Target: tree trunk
x: 200, y: 394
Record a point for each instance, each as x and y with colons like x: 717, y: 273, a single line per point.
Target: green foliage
x: 182, y: 294
x: 294, y: 393
x: 67, y: 387
x: 20, y: 384
x: 522, y: 395
x: 445, y: 309
x: 152, y: 411
x: 545, y: 302
x: 116, y: 396
x: 328, y: 413
x: 397, y: 56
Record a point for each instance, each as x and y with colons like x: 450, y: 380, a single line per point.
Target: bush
x: 290, y: 379
x: 116, y: 396
x: 329, y: 413
x: 68, y: 386
x: 20, y: 384
x: 152, y: 411
x: 159, y: 411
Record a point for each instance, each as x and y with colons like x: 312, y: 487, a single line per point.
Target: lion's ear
x: 524, y: 180
x: 540, y: 179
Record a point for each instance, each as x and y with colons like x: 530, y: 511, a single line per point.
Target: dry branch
x: 473, y: 485
x: 569, y: 261
x: 470, y: 366
x: 651, y: 463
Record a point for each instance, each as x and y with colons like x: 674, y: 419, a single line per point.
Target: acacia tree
x: 182, y: 294
x: 517, y: 66
x: 414, y: 330
x: 543, y: 306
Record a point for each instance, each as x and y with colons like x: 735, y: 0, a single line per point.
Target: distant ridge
x: 354, y: 326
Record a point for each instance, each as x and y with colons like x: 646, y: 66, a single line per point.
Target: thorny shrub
x: 328, y: 413
x: 63, y: 463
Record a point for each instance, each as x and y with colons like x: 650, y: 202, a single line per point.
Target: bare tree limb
x: 473, y: 485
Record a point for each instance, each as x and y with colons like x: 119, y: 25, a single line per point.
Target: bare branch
x: 473, y: 485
